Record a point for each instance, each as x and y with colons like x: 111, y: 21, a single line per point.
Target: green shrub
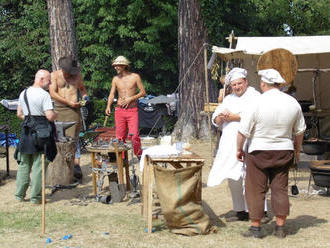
x: 9, y: 117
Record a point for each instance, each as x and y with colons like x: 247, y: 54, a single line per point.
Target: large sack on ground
x: 179, y: 192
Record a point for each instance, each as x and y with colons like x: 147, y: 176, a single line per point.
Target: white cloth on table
x: 158, y: 151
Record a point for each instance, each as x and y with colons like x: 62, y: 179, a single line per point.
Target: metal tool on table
x: 117, y: 192
x: 102, y: 173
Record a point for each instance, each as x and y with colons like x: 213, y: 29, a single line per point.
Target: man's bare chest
x: 126, y: 85
x: 67, y: 83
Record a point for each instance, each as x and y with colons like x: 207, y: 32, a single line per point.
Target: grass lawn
x: 92, y: 224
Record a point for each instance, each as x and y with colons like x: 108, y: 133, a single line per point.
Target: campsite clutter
x: 168, y: 166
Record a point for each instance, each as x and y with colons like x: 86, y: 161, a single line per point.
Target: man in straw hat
x: 227, y: 115
x: 126, y: 84
x: 67, y: 84
x: 274, y: 127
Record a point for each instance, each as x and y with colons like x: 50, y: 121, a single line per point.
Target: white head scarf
x: 271, y: 76
x: 234, y: 74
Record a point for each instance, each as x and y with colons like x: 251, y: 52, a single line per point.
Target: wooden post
x: 43, y: 196
x: 145, y: 187
x: 208, y: 97
x: 150, y: 183
x: 126, y: 165
x: 93, y: 173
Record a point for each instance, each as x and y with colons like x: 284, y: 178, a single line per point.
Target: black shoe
x: 254, y: 232
x: 279, y: 232
x: 240, y: 216
x: 265, y: 219
x: 77, y: 173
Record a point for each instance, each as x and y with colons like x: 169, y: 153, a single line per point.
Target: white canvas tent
x: 312, y: 54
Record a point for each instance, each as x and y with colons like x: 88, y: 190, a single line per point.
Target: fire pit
x: 320, y: 171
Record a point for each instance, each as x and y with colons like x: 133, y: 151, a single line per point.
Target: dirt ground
x: 93, y: 224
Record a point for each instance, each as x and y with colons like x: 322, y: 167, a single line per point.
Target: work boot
x: 77, y: 173
x: 240, y: 216
x: 265, y: 219
x: 254, y: 232
x: 279, y: 232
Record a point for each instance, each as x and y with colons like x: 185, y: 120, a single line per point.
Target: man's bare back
x: 63, y: 88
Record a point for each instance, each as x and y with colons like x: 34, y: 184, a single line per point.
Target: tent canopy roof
x: 298, y: 45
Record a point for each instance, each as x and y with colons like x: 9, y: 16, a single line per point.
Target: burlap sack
x: 179, y: 192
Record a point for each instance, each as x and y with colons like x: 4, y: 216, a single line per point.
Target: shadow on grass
x: 214, y: 219
x: 294, y: 225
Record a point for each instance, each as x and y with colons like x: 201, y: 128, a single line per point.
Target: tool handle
x: 105, y: 120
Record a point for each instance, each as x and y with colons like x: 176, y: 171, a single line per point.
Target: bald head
x: 42, y: 79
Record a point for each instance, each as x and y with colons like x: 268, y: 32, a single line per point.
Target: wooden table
x: 120, y: 152
x: 177, y: 162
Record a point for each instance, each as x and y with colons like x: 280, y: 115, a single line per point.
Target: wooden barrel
x: 281, y: 60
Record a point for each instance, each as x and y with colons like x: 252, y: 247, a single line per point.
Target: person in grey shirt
x: 29, y: 154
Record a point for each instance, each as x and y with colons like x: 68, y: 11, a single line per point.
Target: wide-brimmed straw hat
x: 121, y: 60
x: 69, y: 65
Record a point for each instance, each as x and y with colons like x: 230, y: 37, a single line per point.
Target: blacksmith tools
x: 60, y: 129
x: 134, y: 179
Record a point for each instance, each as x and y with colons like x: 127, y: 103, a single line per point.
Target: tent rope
x: 189, y: 68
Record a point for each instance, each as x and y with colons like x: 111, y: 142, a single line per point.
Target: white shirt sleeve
x: 300, y: 125
x: 47, y: 103
x: 220, y: 108
x: 248, y: 120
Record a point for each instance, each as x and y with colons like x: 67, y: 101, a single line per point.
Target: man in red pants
x: 126, y: 84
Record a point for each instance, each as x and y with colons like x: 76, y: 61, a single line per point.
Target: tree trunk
x: 192, y: 35
x: 63, y: 43
x: 60, y: 171
x: 62, y: 30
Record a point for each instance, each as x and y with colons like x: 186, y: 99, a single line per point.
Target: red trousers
x: 128, y: 118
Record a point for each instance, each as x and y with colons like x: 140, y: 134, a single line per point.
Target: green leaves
x: 143, y: 31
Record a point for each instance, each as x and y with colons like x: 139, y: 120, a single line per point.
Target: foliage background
x: 143, y: 30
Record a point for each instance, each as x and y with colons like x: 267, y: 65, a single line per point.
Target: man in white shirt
x: 227, y: 115
x: 275, y: 127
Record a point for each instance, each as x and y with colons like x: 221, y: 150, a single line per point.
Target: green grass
x: 30, y: 219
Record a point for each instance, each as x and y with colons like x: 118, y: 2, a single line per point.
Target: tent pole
x: 208, y: 98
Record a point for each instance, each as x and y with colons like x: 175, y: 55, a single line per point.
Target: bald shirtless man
x: 66, y: 83
x: 126, y: 84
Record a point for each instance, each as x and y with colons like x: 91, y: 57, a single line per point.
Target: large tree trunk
x: 62, y: 30
x: 63, y: 43
x: 191, y: 37
x: 60, y: 171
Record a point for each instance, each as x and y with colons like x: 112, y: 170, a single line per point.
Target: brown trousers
x: 261, y: 167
